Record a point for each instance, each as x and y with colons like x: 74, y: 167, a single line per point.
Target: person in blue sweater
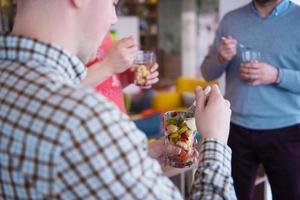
x: 264, y: 93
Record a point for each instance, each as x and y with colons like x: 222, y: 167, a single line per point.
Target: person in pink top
x: 110, y: 71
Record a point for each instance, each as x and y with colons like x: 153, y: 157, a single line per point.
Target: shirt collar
x: 22, y: 49
x: 280, y: 8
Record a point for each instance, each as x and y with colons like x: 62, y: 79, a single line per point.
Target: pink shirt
x: 111, y: 87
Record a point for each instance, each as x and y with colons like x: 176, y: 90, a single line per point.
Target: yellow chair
x: 165, y: 101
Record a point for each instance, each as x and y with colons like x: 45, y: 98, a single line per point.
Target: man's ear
x: 76, y: 3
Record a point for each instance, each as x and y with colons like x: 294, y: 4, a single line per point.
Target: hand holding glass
x: 143, y: 62
x: 180, y: 131
x: 249, y: 56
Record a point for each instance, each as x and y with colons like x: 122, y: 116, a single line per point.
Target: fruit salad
x: 180, y: 130
x: 141, y: 74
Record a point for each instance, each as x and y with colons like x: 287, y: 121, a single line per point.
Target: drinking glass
x: 142, y: 66
x: 180, y: 130
x: 250, y: 55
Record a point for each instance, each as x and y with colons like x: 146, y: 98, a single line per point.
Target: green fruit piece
x: 172, y: 121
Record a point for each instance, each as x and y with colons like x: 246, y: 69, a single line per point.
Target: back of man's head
x: 76, y: 25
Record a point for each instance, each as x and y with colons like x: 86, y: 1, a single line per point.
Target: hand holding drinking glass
x: 256, y: 72
x: 121, y: 55
x: 180, y: 131
x: 145, y: 68
x: 249, y: 57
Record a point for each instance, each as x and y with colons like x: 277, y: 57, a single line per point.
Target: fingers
x: 231, y: 48
x: 207, y: 90
x: 229, y: 42
x: 227, y: 103
x: 153, y: 78
x: 195, y: 156
x: 173, y: 150
x: 214, y: 95
x: 227, y: 48
x: 146, y: 87
x: 154, y: 67
x: 150, y: 82
x: 122, y: 51
x: 127, y: 42
x: 195, y: 153
x: 250, y: 77
x: 250, y: 72
x: 132, y: 50
x: 160, y: 141
x: 127, y: 50
x: 153, y: 75
x: 228, y: 53
x: 200, y: 99
x: 215, y: 90
x: 126, y: 45
x: 162, y: 161
x: 252, y: 64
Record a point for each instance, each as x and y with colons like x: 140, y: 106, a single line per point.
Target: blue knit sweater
x: 277, y: 37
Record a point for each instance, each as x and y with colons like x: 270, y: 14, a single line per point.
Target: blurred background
x: 179, y: 31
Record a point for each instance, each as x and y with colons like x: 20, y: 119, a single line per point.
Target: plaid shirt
x: 61, y: 140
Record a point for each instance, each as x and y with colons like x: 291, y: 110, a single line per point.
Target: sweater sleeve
x: 211, y: 67
x: 290, y: 80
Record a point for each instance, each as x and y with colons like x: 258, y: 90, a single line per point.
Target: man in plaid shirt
x: 61, y: 140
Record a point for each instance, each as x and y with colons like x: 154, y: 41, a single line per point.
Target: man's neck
x: 50, y: 30
x: 266, y: 9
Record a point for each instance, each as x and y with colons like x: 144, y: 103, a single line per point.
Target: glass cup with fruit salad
x: 142, y: 66
x: 180, y: 131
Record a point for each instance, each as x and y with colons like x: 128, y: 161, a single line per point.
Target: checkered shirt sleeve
x: 106, y: 158
x: 213, y: 177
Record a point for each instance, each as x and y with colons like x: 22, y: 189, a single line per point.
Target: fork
x: 241, y: 45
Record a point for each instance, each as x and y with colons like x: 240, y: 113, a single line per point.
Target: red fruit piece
x: 184, y: 137
x: 174, y: 114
